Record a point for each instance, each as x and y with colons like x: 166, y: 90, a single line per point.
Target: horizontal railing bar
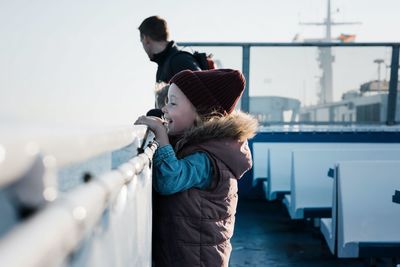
x: 17, y: 157
x: 266, y: 44
x: 63, y: 149
x: 51, y: 235
x: 78, y: 148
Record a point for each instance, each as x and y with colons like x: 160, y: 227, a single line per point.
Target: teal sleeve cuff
x: 163, y: 153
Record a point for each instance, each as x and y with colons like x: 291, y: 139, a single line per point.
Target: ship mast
x: 325, y: 56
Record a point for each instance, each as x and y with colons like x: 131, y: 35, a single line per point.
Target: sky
x: 81, y: 63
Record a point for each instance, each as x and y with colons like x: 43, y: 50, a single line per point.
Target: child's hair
x: 161, y: 92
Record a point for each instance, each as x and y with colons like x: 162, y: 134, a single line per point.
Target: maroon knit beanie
x: 211, y: 90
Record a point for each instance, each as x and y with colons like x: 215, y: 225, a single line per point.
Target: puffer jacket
x: 194, y: 227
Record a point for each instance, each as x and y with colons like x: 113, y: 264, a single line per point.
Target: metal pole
x: 393, y: 84
x: 246, y: 72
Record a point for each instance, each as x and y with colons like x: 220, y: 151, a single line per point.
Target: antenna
x: 379, y: 61
x: 328, y: 22
x: 325, y: 56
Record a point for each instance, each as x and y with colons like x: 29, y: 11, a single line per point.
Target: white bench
x: 272, y: 162
x: 365, y: 222
x: 311, y: 189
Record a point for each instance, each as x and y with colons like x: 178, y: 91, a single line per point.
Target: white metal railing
x: 61, y: 148
x: 15, y: 160
x: 56, y: 230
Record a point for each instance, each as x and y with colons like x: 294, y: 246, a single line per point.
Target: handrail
x: 61, y: 149
x: 68, y: 219
x: 293, y: 44
x: 245, y: 46
x: 15, y: 159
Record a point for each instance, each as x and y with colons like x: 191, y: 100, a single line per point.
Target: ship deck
x: 266, y: 236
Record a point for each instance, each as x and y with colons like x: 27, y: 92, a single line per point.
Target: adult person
x: 154, y: 36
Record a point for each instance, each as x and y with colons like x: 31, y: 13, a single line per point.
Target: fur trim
x: 237, y: 125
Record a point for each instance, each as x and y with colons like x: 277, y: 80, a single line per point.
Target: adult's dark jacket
x: 170, y: 62
x: 194, y: 227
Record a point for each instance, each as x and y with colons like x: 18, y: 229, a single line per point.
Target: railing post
x: 393, y: 84
x: 246, y: 72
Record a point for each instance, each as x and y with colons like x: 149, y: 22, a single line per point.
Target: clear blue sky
x: 81, y: 62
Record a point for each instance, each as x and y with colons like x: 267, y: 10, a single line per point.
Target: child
x: 161, y: 93
x: 196, y: 180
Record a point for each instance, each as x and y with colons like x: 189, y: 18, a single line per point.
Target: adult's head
x: 154, y: 35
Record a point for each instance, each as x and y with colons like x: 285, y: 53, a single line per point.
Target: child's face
x: 179, y: 112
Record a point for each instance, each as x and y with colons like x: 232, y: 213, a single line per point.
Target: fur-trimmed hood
x: 225, y: 137
x: 237, y: 125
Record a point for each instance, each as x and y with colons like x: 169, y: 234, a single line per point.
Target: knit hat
x: 211, y: 90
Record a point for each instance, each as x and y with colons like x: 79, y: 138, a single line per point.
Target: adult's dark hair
x: 154, y: 27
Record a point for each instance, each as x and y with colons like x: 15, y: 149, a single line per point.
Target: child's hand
x: 157, y: 126
x: 153, y: 123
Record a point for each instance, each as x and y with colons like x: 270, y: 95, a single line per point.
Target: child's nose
x: 164, y: 109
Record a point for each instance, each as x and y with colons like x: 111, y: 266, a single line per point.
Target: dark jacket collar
x: 162, y: 56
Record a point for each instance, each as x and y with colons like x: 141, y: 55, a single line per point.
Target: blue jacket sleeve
x: 172, y: 175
